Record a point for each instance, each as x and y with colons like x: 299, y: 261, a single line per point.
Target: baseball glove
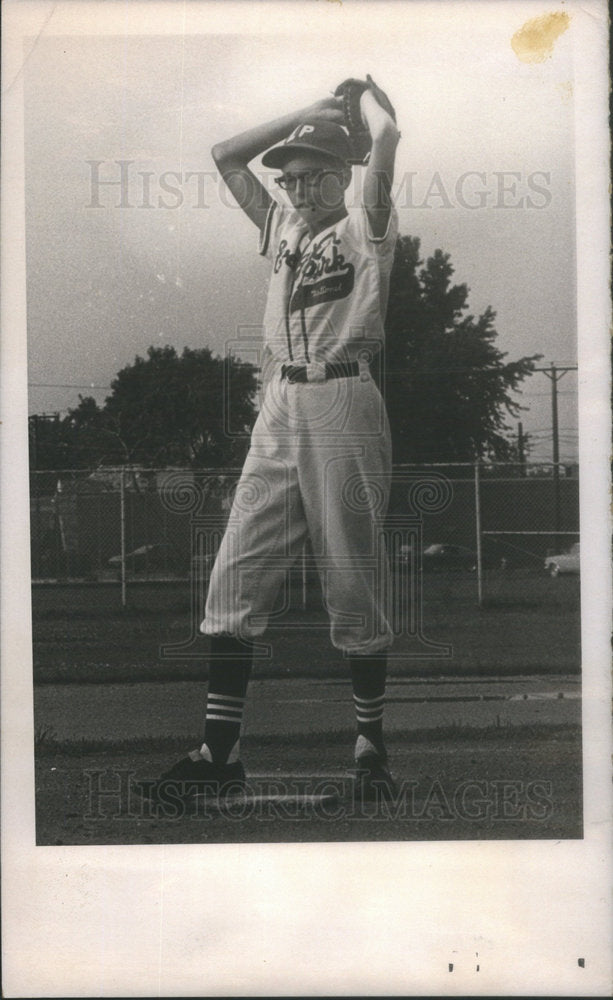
x: 351, y: 91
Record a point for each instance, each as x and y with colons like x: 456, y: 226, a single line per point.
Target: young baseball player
x: 319, y: 460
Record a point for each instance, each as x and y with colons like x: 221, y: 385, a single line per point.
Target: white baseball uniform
x: 320, y: 458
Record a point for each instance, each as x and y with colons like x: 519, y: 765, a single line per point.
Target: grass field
x: 529, y: 624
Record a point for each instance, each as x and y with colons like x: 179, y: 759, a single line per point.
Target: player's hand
x: 330, y: 109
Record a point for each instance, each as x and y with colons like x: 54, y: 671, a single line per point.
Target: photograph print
x: 303, y: 431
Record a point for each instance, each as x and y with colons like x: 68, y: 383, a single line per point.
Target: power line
x: 395, y: 371
x: 547, y: 436
x: 538, y: 395
x: 65, y: 385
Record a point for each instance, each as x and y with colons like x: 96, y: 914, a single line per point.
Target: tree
x: 193, y: 410
x: 448, y: 388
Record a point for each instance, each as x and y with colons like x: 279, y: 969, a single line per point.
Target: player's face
x: 315, y: 186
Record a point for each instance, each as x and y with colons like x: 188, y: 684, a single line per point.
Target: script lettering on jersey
x: 285, y: 256
x: 322, y: 274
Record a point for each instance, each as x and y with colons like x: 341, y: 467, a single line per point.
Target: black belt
x: 300, y: 373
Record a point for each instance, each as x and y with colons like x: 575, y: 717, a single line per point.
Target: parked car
x: 441, y: 555
x: 156, y: 558
x: 444, y: 556
x: 566, y: 562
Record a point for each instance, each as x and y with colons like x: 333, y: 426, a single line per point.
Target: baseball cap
x: 316, y: 137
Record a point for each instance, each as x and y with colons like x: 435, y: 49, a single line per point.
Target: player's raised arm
x: 232, y: 156
x: 380, y: 170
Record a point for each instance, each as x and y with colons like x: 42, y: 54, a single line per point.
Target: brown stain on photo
x: 535, y: 40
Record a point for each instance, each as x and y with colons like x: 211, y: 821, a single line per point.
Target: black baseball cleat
x: 194, y: 776
x: 373, y: 779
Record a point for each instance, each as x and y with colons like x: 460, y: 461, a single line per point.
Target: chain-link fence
x: 100, y: 525
x: 127, y: 524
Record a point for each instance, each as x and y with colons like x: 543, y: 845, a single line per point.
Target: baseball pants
x: 319, y: 466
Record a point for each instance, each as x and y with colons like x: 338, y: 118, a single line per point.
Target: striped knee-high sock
x: 222, y: 727
x: 368, y: 676
x: 229, y: 670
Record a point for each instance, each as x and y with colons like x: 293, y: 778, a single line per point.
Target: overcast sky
x: 176, y: 262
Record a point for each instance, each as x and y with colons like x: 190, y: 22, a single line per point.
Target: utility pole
x: 520, y: 449
x: 556, y: 447
x: 554, y: 373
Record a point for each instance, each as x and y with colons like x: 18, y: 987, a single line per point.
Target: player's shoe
x: 373, y: 778
x: 193, y: 776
